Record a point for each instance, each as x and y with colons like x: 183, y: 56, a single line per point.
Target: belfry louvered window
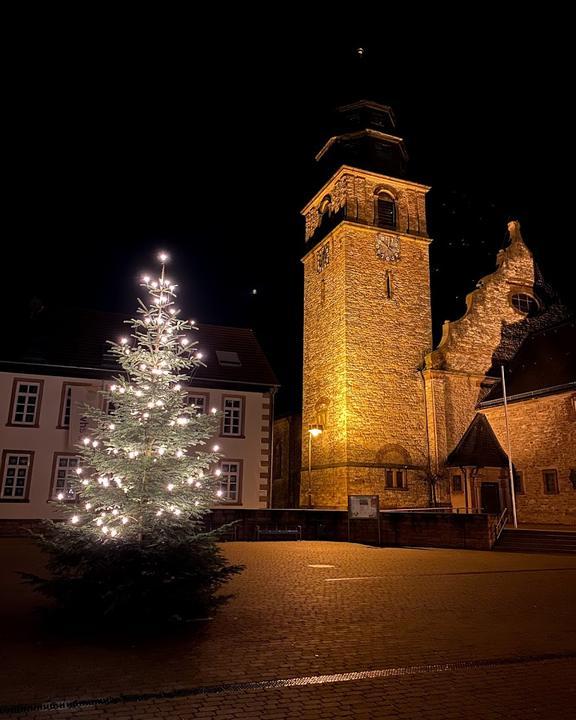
x: 385, y: 211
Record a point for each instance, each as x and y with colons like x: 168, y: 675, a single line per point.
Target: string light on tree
x: 142, y: 465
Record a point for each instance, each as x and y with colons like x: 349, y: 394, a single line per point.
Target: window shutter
x: 386, y: 213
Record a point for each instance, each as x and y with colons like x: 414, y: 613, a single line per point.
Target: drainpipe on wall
x: 271, y: 456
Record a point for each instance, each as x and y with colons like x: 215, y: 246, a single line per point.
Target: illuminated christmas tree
x: 133, y: 531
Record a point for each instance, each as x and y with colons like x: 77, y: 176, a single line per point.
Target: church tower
x: 367, y: 319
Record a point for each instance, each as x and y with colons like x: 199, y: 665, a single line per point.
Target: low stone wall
x: 396, y: 528
x: 18, y: 528
x: 473, y: 531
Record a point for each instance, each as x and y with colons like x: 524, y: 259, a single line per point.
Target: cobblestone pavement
x: 460, y: 634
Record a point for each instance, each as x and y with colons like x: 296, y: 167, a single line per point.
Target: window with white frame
x: 65, y: 467
x: 230, y: 479
x: 197, y: 401
x: 26, y: 403
x: 232, y: 421
x: 15, y: 475
x: 66, y: 409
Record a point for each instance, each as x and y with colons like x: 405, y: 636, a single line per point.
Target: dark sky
x: 130, y: 134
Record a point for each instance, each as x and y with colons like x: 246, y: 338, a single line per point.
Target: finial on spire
x: 514, y: 231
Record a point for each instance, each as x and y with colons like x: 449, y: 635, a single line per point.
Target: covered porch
x: 478, y: 471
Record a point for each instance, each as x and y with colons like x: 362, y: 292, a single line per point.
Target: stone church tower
x: 367, y: 319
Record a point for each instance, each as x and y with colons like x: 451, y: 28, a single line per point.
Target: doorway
x: 490, y: 498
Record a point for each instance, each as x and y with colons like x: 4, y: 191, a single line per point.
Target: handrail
x: 500, y: 525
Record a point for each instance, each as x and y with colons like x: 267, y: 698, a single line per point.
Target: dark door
x: 490, y: 498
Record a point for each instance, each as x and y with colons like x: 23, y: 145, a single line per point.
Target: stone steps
x: 543, y: 541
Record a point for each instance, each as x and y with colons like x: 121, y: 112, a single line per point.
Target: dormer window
x: 385, y: 211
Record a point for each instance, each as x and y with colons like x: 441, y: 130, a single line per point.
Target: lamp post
x: 313, y: 431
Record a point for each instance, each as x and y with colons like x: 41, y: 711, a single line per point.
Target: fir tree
x: 132, y: 542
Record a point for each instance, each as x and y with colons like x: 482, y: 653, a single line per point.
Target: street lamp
x: 313, y: 431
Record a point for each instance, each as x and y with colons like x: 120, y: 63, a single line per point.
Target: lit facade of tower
x: 367, y: 319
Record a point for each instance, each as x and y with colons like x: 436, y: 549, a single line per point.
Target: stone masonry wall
x: 543, y: 437
x: 490, y: 332
x: 367, y: 328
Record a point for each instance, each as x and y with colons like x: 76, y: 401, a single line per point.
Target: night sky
x: 129, y: 135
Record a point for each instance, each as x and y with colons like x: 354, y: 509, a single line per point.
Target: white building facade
x: 41, y: 419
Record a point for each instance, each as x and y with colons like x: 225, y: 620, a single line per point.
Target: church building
x: 384, y: 412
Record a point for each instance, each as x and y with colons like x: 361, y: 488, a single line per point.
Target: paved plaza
x: 317, y: 630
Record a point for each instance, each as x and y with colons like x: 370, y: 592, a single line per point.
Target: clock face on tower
x: 388, y: 247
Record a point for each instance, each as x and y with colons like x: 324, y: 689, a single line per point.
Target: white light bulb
x: 75, y: 518
x: 99, y: 522
x: 95, y: 444
x: 199, y: 356
x: 177, y: 387
x: 88, y: 506
x: 138, y: 393
x: 146, y: 279
x: 142, y: 366
x: 86, y: 441
x: 115, y: 512
x: 170, y: 486
x: 172, y: 311
x: 185, y: 341
x: 196, y: 502
x: 122, y: 390
x: 163, y: 257
x: 179, y: 454
x: 161, y: 450
x: 146, y: 415
x: 216, y: 448
x: 219, y: 493
x: 112, y: 426
x: 176, y: 512
x: 154, y: 284
x: 105, y: 530
x: 79, y: 471
x: 198, y: 484
x: 60, y: 496
x: 124, y: 520
x: 123, y: 341
x: 218, y: 472
x: 113, y: 532
x: 214, y: 411
x: 192, y: 322
x: 159, y: 403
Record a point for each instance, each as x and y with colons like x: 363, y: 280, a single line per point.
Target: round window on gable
x: 524, y: 303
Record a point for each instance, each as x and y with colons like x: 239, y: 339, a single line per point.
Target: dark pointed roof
x: 363, y: 135
x: 544, y: 363
x: 479, y: 447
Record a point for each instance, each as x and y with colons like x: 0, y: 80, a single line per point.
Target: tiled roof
x: 545, y: 360
x: 74, y: 342
x: 479, y: 447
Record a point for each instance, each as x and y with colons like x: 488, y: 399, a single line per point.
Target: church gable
x: 505, y: 307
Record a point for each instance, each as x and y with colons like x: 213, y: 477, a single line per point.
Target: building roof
x: 544, y: 363
x: 74, y: 343
x: 479, y: 447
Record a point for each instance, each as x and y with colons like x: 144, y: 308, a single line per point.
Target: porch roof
x: 478, y: 447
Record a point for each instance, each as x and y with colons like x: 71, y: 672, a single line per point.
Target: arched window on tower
x: 385, y: 211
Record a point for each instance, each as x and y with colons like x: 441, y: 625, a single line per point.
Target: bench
x: 295, y: 532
